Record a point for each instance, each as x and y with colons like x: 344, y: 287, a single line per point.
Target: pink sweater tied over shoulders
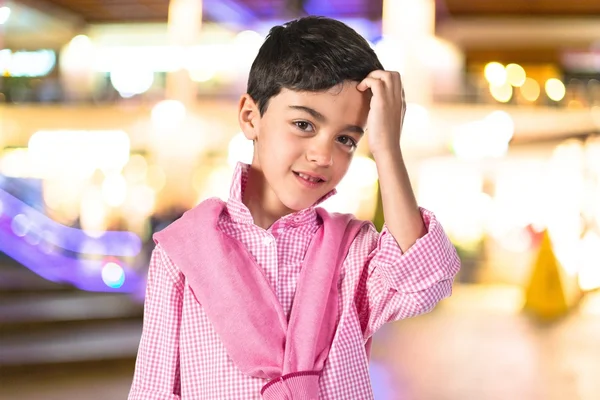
x: 244, y: 309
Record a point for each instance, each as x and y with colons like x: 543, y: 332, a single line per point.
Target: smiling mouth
x: 309, y: 178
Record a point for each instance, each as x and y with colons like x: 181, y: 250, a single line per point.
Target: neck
x: 262, y: 202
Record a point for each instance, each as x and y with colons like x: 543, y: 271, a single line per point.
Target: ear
x: 248, y: 117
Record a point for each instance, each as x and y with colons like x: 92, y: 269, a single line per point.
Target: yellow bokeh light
x: 502, y: 93
x: 515, y: 75
x: 136, y: 168
x: 530, y: 90
x: 495, y: 73
x: 555, y: 89
x: 156, y: 178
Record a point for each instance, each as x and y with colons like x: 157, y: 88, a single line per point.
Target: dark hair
x: 309, y: 54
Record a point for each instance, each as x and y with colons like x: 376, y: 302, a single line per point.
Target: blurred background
x: 117, y: 116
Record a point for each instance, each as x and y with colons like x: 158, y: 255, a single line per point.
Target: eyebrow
x: 321, y: 118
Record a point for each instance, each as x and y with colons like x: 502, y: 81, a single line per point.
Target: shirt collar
x: 239, y: 212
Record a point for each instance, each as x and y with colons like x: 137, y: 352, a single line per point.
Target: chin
x: 297, y: 204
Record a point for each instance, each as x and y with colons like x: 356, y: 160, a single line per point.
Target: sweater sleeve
x: 157, y: 373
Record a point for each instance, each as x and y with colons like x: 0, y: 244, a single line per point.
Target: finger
x: 376, y: 85
x: 391, y: 78
x: 376, y: 74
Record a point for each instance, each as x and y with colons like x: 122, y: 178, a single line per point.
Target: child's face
x: 304, y: 142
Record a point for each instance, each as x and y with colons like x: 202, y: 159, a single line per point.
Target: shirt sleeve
x: 157, y: 373
x: 394, y: 285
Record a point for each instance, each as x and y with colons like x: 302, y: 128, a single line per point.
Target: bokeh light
x: 515, y: 75
x: 495, y: 73
x: 555, y: 89
x: 168, y: 113
x: 4, y: 14
x: 502, y: 93
x: 113, y: 275
x: 530, y: 90
x: 130, y: 80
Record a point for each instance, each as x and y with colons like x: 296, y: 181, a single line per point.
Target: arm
x: 157, y: 375
x: 394, y: 285
x: 412, y: 264
x: 386, y: 116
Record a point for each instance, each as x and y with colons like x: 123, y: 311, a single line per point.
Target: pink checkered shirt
x: 181, y: 356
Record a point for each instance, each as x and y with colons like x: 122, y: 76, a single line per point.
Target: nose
x: 320, y: 153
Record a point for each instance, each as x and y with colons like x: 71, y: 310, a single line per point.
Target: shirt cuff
x: 430, y: 260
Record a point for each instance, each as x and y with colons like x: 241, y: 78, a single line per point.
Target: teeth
x: 309, y: 178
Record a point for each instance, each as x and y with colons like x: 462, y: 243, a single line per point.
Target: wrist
x: 390, y: 153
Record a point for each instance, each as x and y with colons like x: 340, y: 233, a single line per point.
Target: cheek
x: 341, y: 163
x: 280, y: 144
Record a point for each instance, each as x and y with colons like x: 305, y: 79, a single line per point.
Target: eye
x: 304, y: 126
x: 347, y: 141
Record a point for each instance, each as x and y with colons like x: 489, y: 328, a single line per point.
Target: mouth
x: 309, y: 179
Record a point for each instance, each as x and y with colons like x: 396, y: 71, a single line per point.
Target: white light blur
x: 152, y: 58
x: 484, y: 138
x: 389, y: 52
x: 129, y: 80
x: 416, y: 119
x: 564, y: 191
x: 168, y: 113
x: 240, y: 150
x: 66, y: 153
x: 452, y: 190
x: 204, y: 61
x: 589, y: 272
x: 113, y: 275
x: 357, y: 187
x: 78, y: 54
x: 4, y: 14
x: 15, y: 163
x: 510, y: 212
x: 114, y: 190
x: 247, y: 43
x: 80, y: 42
x: 245, y: 48
x: 495, y: 73
x: 27, y: 63
x: 501, y: 125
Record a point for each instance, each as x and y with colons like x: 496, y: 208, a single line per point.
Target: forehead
x: 342, y: 103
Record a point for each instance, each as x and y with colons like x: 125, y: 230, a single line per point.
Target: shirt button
x: 267, y: 241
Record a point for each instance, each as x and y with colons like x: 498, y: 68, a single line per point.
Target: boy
x: 268, y: 296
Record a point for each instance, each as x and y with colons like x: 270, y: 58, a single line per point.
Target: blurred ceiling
x: 97, y: 11
x: 513, y: 30
x: 94, y: 11
x: 521, y: 8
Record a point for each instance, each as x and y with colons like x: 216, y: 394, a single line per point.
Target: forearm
x: 402, y: 216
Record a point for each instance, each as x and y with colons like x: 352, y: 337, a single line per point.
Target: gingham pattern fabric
x: 181, y: 356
